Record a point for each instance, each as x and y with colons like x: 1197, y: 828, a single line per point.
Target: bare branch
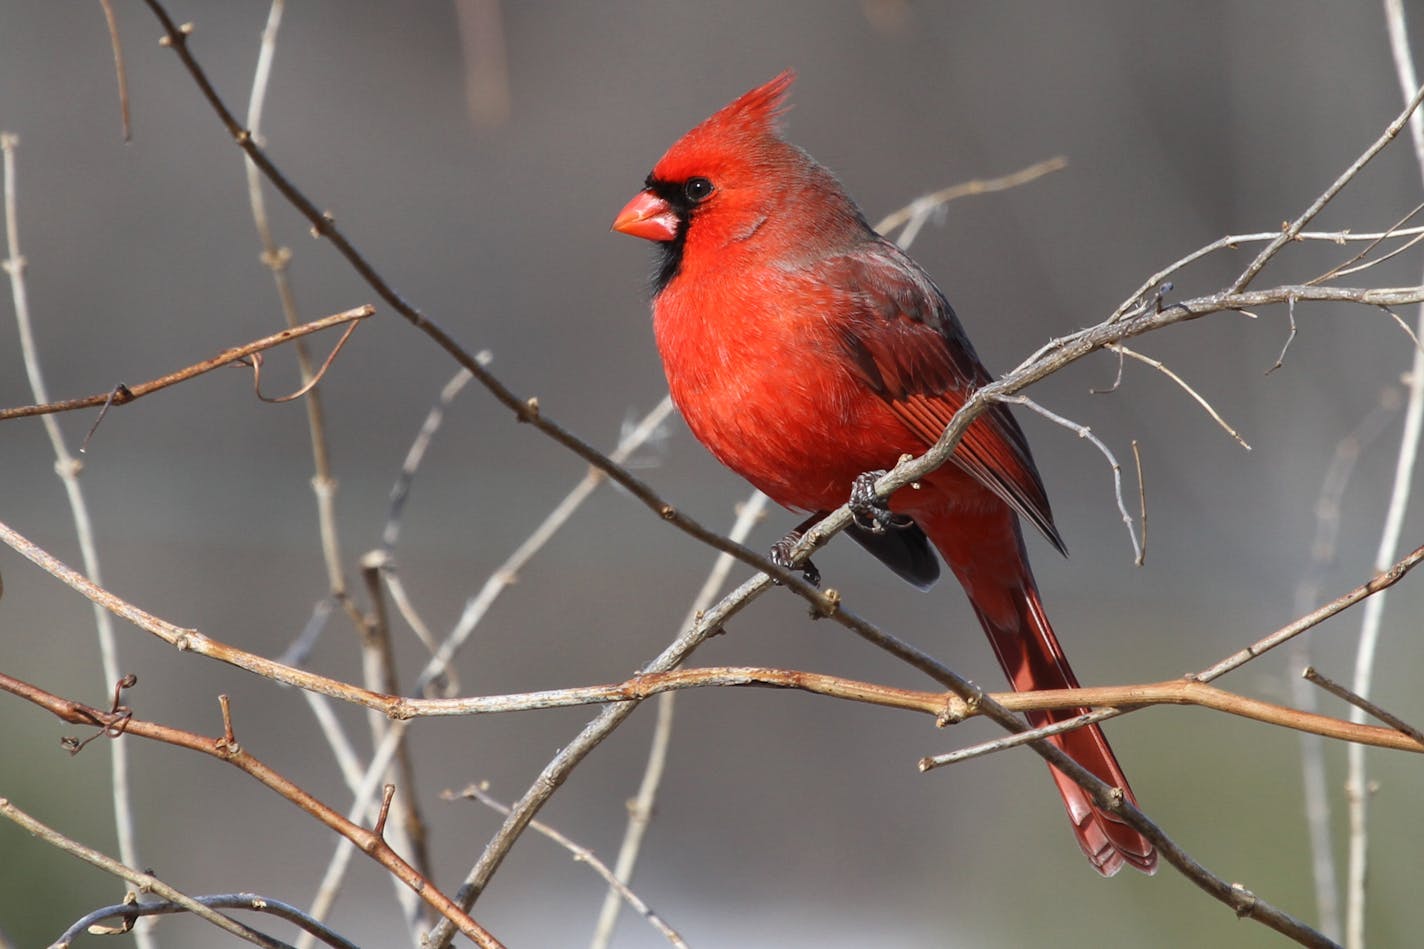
x: 914, y: 214
x: 1356, y: 783
x: 124, y: 394
x: 228, y: 750
x: 145, y: 882
x: 121, y: 74
x: 68, y: 468
x: 1291, y: 231
x: 1083, y: 431
x: 127, y: 913
x: 640, y: 809
x: 583, y: 855
x: 1362, y: 703
x: 1197, y: 397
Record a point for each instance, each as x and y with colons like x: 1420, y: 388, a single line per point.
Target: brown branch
x: 1381, y: 581
x: 229, y: 750
x: 1362, y: 703
x: 124, y: 394
x: 120, y: 73
x: 951, y: 708
x: 1134, y: 320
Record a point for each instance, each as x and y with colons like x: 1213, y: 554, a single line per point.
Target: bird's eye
x: 697, y: 189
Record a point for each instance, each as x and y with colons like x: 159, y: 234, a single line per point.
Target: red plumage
x: 804, y: 349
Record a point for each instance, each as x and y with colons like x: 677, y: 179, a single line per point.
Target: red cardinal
x: 805, y: 350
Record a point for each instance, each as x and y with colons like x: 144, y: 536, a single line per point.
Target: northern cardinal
x: 805, y: 350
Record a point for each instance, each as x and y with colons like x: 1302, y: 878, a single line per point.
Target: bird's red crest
x: 741, y: 128
x: 756, y: 111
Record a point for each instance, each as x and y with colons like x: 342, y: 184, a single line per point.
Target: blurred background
x: 476, y: 153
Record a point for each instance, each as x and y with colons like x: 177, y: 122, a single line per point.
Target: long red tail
x: 990, y: 561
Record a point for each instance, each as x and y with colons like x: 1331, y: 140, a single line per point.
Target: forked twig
x: 583, y: 855
x: 1083, y: 431
x: 1196, y: 396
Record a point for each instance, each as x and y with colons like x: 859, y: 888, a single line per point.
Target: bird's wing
x: 905, y: 341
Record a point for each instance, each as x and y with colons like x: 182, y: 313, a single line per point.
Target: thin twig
x: 559, y: 768
x: 1348, y: 266
x: 1235, y: 660
x: 1083, y: 431
x: 378, y: 671
x: 1186, y: 387
x: 124, y: 394
x: 1290, y: 337
x: 1357, y: 781
x: 128, y: 912
x: 507, y: 572
x: 1363, y: 704
x: 121, y: 74
x: 924, y: 205
x: 278, y: 260
x: 230, y: 751
x: 144, y: 882
x: 583, y: 855
x: 914, y: 214
x: 1322, y: 553
x: 68, y: 468
x: 640, y: 809
x: 1141, y: 501
x: 309, y: 385
x: 1289, y: 233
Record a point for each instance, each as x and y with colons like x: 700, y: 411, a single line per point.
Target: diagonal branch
x: 229, y: 750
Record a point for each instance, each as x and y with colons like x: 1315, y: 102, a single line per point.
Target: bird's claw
x: 780, y: 554
x: 869, y: 510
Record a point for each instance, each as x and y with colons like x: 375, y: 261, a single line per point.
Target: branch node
x: 388, y: 794
x: 828, y: 605
x: 227, y: 745
x: 955, y: 711
x: 1243, y: 901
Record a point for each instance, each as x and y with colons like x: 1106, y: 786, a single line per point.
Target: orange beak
x: 649, y: 217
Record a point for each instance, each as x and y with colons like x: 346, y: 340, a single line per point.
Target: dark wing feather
x: 909, y: 346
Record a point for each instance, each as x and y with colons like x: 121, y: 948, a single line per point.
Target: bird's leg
x: 870, y: 511
x: 780, y: 552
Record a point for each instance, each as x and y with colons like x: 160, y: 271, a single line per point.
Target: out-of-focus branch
x: 68, y: 468
x: 640, y: 808
x: 278, y: 260
x: 1314, y: 779
x: 584, y: 855
x: 144, y: 882
x: 1357, y: 783
x: 128, y: 913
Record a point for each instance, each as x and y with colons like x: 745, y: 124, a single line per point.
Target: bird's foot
x: 870, y: 511
x: 780, y: 553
